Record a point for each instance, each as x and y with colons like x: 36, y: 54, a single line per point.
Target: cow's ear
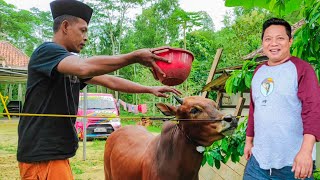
x: 166, y: 109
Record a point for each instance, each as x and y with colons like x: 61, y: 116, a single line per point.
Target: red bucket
x: 178, y: 70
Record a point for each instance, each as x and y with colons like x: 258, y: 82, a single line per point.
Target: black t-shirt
x: 48, y: 92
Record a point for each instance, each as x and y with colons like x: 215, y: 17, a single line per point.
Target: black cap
x: 71, y: 7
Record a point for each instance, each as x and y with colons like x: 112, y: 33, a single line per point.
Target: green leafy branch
x: 316, y: 174
x: 232, y: 146
x: 306, y: 44
x: 226, y: 148
x: 240, y: 80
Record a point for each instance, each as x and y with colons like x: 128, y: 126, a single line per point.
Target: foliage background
x: 163, y: 22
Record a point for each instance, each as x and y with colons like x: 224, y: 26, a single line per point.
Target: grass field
x: 91, y: 168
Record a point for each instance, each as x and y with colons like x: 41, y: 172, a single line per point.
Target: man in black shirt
x: 55, y: 77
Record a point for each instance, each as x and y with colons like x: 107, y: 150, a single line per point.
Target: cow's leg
x: 107, y: 168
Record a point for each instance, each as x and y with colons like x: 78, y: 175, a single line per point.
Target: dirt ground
x: 8, y: 142
x: 91, y: 168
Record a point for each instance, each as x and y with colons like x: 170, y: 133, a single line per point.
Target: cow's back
x: 124, y: 151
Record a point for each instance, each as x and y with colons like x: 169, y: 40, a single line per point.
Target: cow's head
x: 200, y: 119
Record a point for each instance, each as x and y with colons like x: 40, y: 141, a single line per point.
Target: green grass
x: 76, y: 169
x: 10, y: 148
x: 1, y: 108
x: 93, y: 165
x: 79, y: 166
x: 98, y: 144
x: 156, y: 125
x: 154, y: 129
x: 127, y: 122
x: 91, y: 168
x: 95, y: 150
x: 316, y: 174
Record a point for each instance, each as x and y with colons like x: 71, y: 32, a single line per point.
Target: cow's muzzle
x: 230, y: 123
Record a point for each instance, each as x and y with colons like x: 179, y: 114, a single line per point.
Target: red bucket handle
x: 168, y: 48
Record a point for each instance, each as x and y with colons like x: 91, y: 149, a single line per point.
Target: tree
x: 306, y: 45
x: 278, y: 7
x: 109, y: 25
x: 18, y: 27
x: 154, y: 26
x: 241, y: 36
x: 306, y: 42
x: 43, y: 25
x: 187, y: 21
x: 202, y: 44
x: 110, y: 22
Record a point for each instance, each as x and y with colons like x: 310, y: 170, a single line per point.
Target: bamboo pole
x: 213, y: 68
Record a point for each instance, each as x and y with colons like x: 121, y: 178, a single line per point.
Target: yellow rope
x: 3, y: 100
x: 65, y: 115
x: 82, y: 116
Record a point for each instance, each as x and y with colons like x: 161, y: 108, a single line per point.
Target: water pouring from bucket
x: 178, y: 70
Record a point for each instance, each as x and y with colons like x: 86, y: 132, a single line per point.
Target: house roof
x: 13, y: 63
x: 10, y: 56
x: 12, y: 75
x: 259, y: 52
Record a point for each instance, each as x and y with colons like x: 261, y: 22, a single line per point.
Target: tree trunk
x: 184, y: 35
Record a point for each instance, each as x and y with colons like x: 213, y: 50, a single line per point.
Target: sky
x: 215, y: 8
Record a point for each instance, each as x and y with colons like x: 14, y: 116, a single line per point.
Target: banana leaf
x: 278, y: 7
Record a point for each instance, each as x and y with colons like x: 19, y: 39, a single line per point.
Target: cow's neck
x: 177, y: 155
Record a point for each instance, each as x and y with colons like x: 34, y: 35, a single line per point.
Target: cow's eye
x: 195, y: 110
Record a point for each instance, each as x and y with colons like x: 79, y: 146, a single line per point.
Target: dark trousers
x: 254, y: 172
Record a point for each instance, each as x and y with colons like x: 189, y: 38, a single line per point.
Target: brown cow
x: 132, y: 153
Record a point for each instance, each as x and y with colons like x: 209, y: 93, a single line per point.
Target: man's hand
x: 248, y: 147
x: 147, y: 58
x: 160, y: 91
x: 303, y: 163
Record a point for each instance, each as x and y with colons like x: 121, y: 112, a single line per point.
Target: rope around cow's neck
x: 199, y: 148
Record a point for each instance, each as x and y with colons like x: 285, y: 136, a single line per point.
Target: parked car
x: 98, y: 104
x: 13, y: 107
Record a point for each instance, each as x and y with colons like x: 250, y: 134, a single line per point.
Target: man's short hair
x: 58, y: 20
x: 276, y: 21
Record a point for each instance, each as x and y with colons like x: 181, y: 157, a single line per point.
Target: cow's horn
x: 180, y: 100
